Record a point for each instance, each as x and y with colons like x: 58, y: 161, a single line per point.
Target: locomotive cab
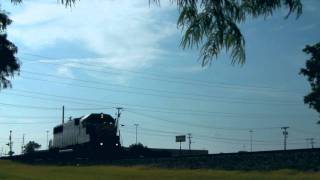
x: 102, y: 129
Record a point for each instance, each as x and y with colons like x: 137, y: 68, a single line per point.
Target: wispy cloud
x: 308, y: 27
x: 126, y: 33
x: 188, y: 69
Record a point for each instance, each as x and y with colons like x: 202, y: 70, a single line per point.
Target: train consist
x: 92, y: 138
x: 96, y: 132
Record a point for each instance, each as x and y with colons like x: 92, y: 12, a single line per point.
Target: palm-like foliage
x: 213, y: 24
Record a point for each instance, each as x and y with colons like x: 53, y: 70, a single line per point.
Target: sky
x: 102, y: 54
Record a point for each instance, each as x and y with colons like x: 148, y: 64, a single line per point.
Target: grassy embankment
x: 15, y: 171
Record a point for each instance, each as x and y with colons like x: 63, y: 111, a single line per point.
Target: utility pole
x: 285, y: 134
x: 47, y: 138
x: 189, y: 137
x: 62, y: 114
x: 136, y: 132
x: 118, y: 114
x: 10, y: 144
x: 251, y: 131
x: 22, y: 147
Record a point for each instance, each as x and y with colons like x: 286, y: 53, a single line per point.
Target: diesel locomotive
x: 95, y: 132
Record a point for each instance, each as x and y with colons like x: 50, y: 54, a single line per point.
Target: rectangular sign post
x: 181, y: 138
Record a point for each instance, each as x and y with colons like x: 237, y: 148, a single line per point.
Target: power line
x: 45, y: 108
x: 36, y: 96
x: 28, y: 117
x: 29, y: 106
x: 210, y: 113
x: 101, y: 106
x: 156, y: 76
x: 210, y: 138
x: 159, y: 91
x: 304, y: 131
x: 311, y: 142
x: 156, y: 95
x: 196, y: 125
x: 26, y: 123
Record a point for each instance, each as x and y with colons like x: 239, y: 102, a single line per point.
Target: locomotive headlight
x: 117, y: 144
x: 101, y: 144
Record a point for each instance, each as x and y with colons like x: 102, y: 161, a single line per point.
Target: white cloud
x: 126, y: 33
x: 64, y: 71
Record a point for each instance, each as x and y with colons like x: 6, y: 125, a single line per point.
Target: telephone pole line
x: 285, y: 134
x: 136, y: 132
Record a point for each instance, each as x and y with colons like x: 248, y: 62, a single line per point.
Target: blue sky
x: 99, y: 55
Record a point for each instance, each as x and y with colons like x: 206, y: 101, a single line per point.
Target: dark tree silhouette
x: 139, y: 150
x: 31, y: 147
x: 312, y: 71
x: 9, y: 64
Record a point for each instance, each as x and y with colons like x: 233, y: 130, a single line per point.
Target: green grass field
x: 17, y: 171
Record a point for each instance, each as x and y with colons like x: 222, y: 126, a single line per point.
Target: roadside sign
x: 181, y: 138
